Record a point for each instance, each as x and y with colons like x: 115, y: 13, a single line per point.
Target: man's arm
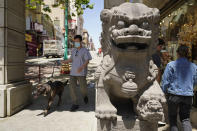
x: 195, y: 76
x: 166, y: 79
x: 67, y: 61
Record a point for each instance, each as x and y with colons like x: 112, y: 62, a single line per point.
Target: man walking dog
x: 79, y: 58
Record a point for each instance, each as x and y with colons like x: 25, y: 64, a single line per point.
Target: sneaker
x: 74, y: 108
x: 85, y: 100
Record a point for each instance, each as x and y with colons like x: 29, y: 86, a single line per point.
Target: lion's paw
x: 108, y: 112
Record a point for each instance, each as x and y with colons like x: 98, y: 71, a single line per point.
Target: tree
x: 80, y: 5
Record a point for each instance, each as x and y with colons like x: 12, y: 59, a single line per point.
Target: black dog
x: 50, y: 89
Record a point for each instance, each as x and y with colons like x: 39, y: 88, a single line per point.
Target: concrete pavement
x: 60, y: 118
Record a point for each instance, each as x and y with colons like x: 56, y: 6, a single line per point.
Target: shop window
x: 180, y: 28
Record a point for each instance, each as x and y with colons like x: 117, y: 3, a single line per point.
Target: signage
x: 38, y: 27
x: 28, y: 38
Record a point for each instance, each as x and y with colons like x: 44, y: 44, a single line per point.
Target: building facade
x: 34, y: 28
x: 85, y: 38
x: 80, y: 22
x: 75, y: 24
x: 15, y: 91
x: 56, y: 15
x: 91, y: 45
x: 39, y: 26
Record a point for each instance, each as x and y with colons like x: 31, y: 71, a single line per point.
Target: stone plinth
x: 15, y: 93
x: 193, y: 117
x: 18, y: 96
x: 3, y: 102
x: 125, y: 124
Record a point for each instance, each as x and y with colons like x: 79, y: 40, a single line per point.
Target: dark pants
x: 73, y: 84
x: 184, y: 104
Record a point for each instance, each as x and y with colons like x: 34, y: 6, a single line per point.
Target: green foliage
x: 80, y: 5
x: 47, y: 9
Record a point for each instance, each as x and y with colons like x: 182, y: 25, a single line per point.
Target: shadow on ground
x: 41, y: 102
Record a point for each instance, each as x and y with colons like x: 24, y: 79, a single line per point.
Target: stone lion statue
x: 127, y: 72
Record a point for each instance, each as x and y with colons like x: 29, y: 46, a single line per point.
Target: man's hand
x: 66, y: 61
x: 80, y: 69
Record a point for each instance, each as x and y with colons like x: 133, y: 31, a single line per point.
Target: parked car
x: 53, y: 48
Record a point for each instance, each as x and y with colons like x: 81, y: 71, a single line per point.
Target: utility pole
x: 66, y: 32
x: 66, y: 67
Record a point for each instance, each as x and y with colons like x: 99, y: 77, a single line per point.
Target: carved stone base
x: 193, y: 117
x: 125, y: 124
x: 3, y: 105
x: 14, y: 97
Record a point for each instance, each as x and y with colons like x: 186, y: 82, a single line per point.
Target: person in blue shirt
x: 178, y: 82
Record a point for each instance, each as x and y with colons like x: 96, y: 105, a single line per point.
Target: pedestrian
x: 157, y: 58
x: 178, y: 82
x: 80, y: 57
x: 100, y: 51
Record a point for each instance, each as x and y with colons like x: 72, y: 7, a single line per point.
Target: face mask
x: 77, y: 44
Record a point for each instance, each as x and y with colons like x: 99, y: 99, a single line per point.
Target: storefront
x: 179, y: 27
x: 31, y: 44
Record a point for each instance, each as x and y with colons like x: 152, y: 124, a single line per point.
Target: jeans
x: 184, y: 104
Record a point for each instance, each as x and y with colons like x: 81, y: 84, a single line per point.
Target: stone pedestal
x: 193, y: 117
x: 125, y: 124
x: 14, y: 91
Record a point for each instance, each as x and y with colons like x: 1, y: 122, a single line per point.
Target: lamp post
x: 65, y: 69
x: 66, y: 32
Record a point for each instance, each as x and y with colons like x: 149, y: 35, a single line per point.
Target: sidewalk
x: 60, y: 118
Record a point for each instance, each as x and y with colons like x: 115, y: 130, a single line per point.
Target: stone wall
x: 14, y: 91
